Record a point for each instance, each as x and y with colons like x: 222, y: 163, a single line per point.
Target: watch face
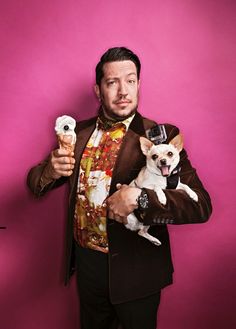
x: 143, y: 200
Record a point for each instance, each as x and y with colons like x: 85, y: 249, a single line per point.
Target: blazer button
x: 114, y: 255
x: 110, y: 223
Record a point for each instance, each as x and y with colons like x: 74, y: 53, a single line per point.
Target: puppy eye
x: 170, y: 154
x: 154, y: 156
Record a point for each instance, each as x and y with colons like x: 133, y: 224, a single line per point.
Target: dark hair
x: 116, y: 54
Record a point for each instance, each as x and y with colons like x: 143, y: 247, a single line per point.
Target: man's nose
x: 122, y: 89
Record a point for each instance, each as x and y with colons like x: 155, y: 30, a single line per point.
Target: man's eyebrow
x: 116, y: 78
x: 112, y: 77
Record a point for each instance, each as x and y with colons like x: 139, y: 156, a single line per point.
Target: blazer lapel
x: 130, y: 158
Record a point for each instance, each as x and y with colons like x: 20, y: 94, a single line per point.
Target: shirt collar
x: 106, y: 124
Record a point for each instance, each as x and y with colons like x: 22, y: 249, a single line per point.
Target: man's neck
x: 105, y: 117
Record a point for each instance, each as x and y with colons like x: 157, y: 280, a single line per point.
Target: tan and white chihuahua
x: 161, y: 160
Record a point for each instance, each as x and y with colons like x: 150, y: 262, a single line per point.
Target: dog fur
x: 161, y: 160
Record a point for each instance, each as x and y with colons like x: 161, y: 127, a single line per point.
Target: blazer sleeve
x: 35, y: 175
x: 34, y: 181
x: 180, y: 208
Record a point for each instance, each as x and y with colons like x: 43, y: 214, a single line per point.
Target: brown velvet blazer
x: 137, y: 268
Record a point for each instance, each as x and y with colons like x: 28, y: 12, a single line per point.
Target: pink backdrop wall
x: 48, y: 53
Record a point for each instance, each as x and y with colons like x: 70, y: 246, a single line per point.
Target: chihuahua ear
x: 145, y: 144
x: 178, y: 142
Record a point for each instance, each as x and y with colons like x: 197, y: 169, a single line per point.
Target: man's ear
x: 145, y: 144
x: 97, y: 91
x: 178, y: 142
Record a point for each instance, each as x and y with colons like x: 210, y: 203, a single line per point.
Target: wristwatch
x: 142, y: 200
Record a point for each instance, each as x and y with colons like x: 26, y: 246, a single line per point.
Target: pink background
x: 49, y: 50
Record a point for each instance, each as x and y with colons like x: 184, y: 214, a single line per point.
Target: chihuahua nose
x: 163, y: 162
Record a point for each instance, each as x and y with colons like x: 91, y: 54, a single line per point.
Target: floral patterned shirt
x: 94, y: 181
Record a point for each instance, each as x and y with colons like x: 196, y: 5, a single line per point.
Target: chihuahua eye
x: 170, y: 154
x: 154, y: 156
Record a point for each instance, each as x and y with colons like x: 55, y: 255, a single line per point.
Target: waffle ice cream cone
x: 65, y: 130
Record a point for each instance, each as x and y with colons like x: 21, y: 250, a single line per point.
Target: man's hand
x: 122, y: 202
x: 61, y: 164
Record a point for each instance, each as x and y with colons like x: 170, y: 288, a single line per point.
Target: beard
x: 118, y: 114
x: 109, y: 114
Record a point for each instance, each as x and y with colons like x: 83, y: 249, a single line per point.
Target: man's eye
x: 110, y: 83
x: 132, y: 81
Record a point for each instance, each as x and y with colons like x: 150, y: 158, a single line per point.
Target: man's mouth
x: 165, y: 170
x: 122, y: 102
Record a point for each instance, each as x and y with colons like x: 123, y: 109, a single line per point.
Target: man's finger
x: 66, y: 160
x: 62, y: 152
x: 110, y: 214
x: 65, y: 173
x: 119, y: 186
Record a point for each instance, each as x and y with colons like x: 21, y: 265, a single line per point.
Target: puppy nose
x: 163, y: 162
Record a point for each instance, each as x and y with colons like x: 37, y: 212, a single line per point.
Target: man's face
x: 118, y: 90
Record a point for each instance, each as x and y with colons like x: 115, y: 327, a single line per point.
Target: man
x: 120, y: 274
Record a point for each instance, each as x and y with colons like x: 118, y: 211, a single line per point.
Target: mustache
x: 122, y: 99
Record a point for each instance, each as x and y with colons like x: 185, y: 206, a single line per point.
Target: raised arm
x: 180, y: 208
x: 52, y: 172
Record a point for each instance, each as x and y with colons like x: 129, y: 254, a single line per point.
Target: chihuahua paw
x: 132, y: 223
x: 162, y: 198
x: 194, y: 196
